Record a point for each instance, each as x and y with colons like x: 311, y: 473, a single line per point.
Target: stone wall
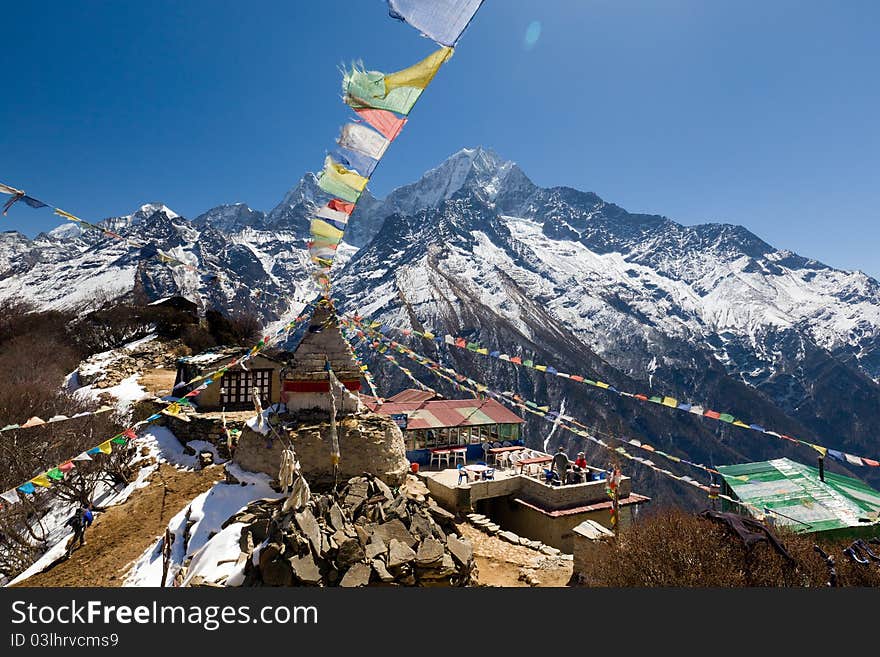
x: 572, y: 495
x: 368, y: 443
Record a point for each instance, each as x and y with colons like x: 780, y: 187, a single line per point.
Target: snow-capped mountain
x: 709, y: 313
x: 690, y: 310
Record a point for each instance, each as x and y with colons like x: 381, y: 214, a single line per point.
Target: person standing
x: 560, y: 464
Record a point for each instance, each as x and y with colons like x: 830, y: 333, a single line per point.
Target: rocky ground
x: 363, y: 535
x: 501, y: 563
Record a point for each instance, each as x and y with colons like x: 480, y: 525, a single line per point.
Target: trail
x: 122, y: 533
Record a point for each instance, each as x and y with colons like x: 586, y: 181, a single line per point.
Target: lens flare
x: 533, y: 33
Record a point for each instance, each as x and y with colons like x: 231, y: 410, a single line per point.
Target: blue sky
x: 758, y: 113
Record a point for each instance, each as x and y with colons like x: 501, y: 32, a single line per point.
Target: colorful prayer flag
x: 384, y: 121
x: 360, y: 139
x: 442, y: 21
x: 336, y: 180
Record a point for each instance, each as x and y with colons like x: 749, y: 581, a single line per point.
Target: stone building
x: 305, y: 381
x: 234, y: 390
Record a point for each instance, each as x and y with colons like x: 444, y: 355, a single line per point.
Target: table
x: 534, y: 461
x: 476, y: 470
x: 509, y: 448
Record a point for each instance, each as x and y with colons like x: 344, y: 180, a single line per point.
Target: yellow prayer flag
x: 67, y: 215
x: 106, y: 447
x: 42, y: 480
x: 483, y: 350
x: 428, y: 335
x: 739, y: 423
x: 601, y: 384
x: 418, y: 75
x: 346, y: 176
x: 542, y: 368
x: 321, y: 228
x: 672, y: 402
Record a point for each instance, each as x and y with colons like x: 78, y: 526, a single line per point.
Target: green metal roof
x: 797, y: 498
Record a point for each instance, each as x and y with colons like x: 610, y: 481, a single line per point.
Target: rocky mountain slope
x: 708, y: 313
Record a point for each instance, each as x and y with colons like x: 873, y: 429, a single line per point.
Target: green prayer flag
x: 726, y: 417
x: 55, y: 474
x: 367, y: 89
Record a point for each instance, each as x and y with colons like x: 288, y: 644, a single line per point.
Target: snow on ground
x: 207, y: 512
x: 162, y: 446
x: 217, y: 560
x: 126, y: 393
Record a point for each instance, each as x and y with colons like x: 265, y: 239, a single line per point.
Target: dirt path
x: 122, y: 533
x: 500, y: 563
x: 157, y: 381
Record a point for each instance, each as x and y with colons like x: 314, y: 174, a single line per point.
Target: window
x: 236, y: 388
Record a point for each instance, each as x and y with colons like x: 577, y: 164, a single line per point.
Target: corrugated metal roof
x: 412, y: 395
x: 449, y: 413
x: 796, y: 497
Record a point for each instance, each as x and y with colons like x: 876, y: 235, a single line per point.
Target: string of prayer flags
x: 667, y: 401
x: 443, y: 21
x: 57, y: 473
x: 670, y: 402
x: 530, y: 407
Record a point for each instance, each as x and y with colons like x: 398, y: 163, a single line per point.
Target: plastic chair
x: 462, y: 474
x: 482, y: 463
x: 486, y: 448
x: 496, y: 444
x: 459, y: 455
x: 506, y: 443
x: 437, y: 456
x: 489, y: 474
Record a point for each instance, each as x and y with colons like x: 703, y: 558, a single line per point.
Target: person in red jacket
x: 581, y: 461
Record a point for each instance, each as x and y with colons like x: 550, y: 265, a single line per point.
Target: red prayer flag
x: 384, y: 121
x: 341, y: 206
x: 713, y: 414
x: 871, y: 462
x: 66, y: 467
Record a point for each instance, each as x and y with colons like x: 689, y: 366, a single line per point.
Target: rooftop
x: 795, y: 496
x: 435, y: 414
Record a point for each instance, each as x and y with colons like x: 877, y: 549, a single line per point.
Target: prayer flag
x: 321, y: 228
x: 105, y: 447
x: 418, y: 75
x: 55, y: 474
x: 362, y: 88
x: 360, y: 139
x: 384, y: 121
x: 42, y: 480
x: 82, y: 457
x: 11, y: 496
x: 336, y: 180
x: 442, y: 21
x: 66, y: 467
x: 357, y: 162
x: 27, y: 488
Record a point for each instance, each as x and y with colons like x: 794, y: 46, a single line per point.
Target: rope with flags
x: 382, y: 101
x: 661, y: 400
x: 174, y: 408
x: 568, y: 423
